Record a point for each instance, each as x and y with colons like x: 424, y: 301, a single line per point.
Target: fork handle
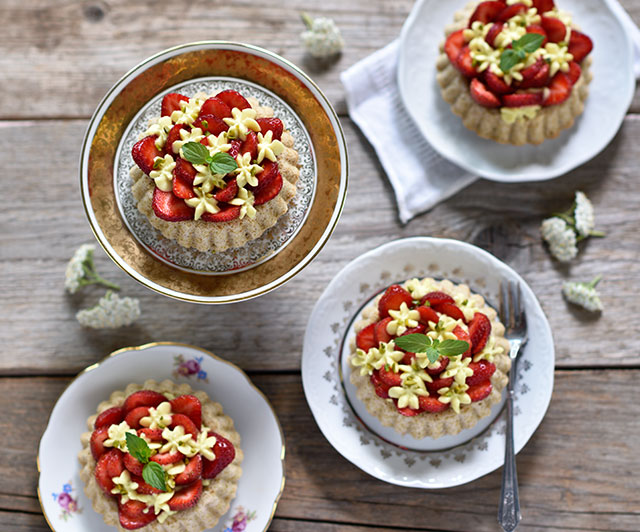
x: 509, y: 509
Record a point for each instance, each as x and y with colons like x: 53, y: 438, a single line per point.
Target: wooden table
x: 581, y: 469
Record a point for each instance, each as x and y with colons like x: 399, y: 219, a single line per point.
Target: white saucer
x: 359, y: 437
x: 64, y: 504
x: 610, y: 94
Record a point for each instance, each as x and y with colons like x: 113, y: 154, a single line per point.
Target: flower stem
x: 594, y: 283
x: 306, y: 18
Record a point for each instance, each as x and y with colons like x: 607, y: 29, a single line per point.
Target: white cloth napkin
x: 420, y: 177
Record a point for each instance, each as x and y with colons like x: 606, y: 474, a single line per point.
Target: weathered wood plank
x: 40, y: 232
x: 60, y: 58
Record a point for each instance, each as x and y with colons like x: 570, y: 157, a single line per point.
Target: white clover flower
x: 322, y: 37
x: 560, y: 237
x: 81, y: 271
x: 583, y: 294
x: 110, y: 313
x: 584, y: 215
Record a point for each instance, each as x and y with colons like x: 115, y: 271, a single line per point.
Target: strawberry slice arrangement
x: 426, y: 354
x: 154, y: 455
x: 211, y: 159
x: 518, y: 55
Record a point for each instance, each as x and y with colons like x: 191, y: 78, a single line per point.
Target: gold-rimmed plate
x: 233, y: 62
x: 60, y: 489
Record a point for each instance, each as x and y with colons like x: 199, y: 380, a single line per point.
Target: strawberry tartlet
x: 515, y: 71
x: 429, y: 358
x: 214, y: 172
x: 160, y: 457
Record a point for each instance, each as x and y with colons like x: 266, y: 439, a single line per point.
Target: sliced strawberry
x: 132, y: 523
x: 464, y: 63
x: 167, y: 458
x: 433, y: 298
x: 431, y: 404
x: 496, y: 84
x: 453, y: 45
x: 211, y: 124
x: 434, y: 386
x: 182, y: 189
x: 487, y: 12
x: 109, y: 465
x: 522, y: 99
x: 224, y: 215
x: 531, y: 71
x: 483, y: 96
x: 580, y: 45
x: 168, y: 207
x: 541, y: 79
x: 268, y: 174
x: 443, y: 362
x: 463, y: 335
x: 250, y: 145
x: 133, y: 509
x: 143, y: 398
x: 493, y: 32
x: 543, y: 5
x: 216, y: 107
x: 185, y: 170
x: 480, y: 391
x: 554, y: 28
x: 274, y: 125
x: 427, y: 314
x: 416, y: 330
x: 381, y: 389
x: 482, y: 371
x: 269, y: 191
x: 133, y: 465
x: 225, y: 453
x: 511, y: 11
x: 192, y: 472
x: 134, y: 416
x: 409, y: 412
x: 449, y: 309
x: 536, y: 28
x: 97, y: 441
x: 408, y: 358
x: 227, y: 193
x: 151, y: 434
x: 143, y: 487
x: 392, y: 299
x: 479, y: 331
x: 366, y: 338
x: 559, y: 90
x: 111, y: 416
x: 233, y: 99
x: 381, y: 330
x: 234, y: 151
x: 187, y: 497
x: 144, y: 153
x: 189, y: 426
x: 574, y: 72
x: 171, y: 103
x: 389, y: 377
x: 174, y: 135
x: 190, y: 406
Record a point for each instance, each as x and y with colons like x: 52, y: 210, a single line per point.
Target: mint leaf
x: 138, y: 448
x: 153, y: 474
x: 510, y: 58
x: 433, y: 355
x: 222, y: 163
x: 529, y: 42
x: 452, y: 348
x: 414, y: 343
x: 195, y: 153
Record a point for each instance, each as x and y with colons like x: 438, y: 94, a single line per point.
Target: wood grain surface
x: 58, y: 58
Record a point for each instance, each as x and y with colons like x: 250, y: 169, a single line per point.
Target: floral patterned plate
x: 60, y: 489
x: 359, y: 437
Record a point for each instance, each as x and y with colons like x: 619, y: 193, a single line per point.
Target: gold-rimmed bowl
x: 174, y: 67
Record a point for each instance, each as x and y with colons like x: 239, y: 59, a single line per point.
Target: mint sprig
x: 527, y: 44
x: 152, y: 473
x: 421, y: 343
x: 220, y: 163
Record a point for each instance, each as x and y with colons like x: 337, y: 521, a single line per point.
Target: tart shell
x: 428, y: 424
x: 487, y: 123
x: 216, y: 497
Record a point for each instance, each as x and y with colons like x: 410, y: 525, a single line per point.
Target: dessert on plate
x: 429, y: 358
x: 160, y: 457
x: 214, y: 172
x: 515, y: 71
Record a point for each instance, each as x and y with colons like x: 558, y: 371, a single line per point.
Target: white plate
x: 610, y: 94
x: 64, y: 504
x: 468, y: 456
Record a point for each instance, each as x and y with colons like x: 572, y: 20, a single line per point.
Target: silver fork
x: 515, y: 322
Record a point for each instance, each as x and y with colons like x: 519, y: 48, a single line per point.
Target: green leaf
x: 414, y: 343
x: 433, y: 354
x: 452, y: 348
x: 138, y: 448
x: 509, y: 59
x: 222, y: 163
x: 528, y: 43
x: 153, y: 474
x: 195, y: 153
